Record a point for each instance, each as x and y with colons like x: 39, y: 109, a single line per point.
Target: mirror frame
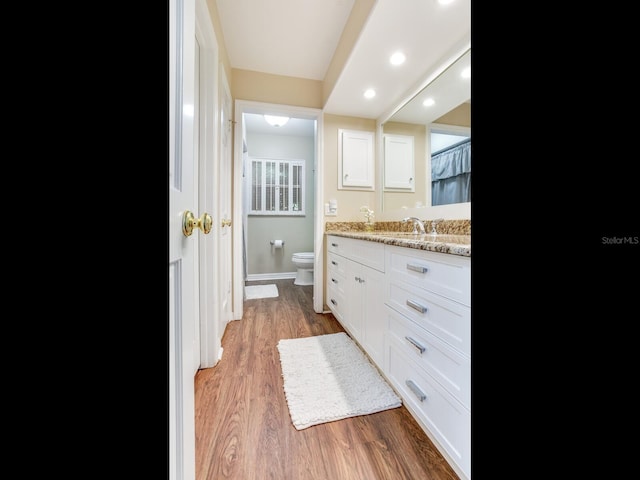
x: 454, y: 211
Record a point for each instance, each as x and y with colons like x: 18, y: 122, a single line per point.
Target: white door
x: 226, y: 163
x: 208, y: 171
x: 183, y: 250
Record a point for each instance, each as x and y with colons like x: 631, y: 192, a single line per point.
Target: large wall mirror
x: 426, y: 144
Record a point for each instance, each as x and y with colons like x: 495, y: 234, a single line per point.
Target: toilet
x: 304, y: 263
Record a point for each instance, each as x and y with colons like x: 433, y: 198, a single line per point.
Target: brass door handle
x: 189, y: 222
x: 226, y: 222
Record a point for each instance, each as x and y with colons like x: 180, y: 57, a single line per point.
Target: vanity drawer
x: 336, y: 281
x: 442, y: 273
x: 336, y: 301
x: 337, y: 245
x: 447, y: 320
x: 336, y: 263
x: 447, y: 365
x: 365, y: 252
x: 444, y: 417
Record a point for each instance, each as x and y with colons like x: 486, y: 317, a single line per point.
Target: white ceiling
x: 298, y: 38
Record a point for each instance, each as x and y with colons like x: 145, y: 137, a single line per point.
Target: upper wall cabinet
x: 355, y: 160
x: 399, y: 169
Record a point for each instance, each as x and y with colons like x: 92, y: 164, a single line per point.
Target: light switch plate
x: 328, y: 212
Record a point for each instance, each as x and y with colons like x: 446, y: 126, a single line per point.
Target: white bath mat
x: 252, y: 292
x: 327, y: 378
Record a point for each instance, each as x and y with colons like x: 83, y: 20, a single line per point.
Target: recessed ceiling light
x: 428, y: 102
x: 370, y: 93
x: 466, y: 73
x: 275, y: 120
x: 445, y: 2
x: 397, y: 58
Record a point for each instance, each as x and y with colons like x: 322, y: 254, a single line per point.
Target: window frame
x: 264, y: 186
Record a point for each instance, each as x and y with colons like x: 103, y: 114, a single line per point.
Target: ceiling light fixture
x: 275, y: 120
x: 445, y: 2
x: 397, y: 58
x: 370, y: 93
x: 428, y: 102
x: 466, y: 73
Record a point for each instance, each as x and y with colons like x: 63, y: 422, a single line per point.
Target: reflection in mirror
x: 427, y: 144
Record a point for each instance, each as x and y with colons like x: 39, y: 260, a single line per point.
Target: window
x: 277, y: 187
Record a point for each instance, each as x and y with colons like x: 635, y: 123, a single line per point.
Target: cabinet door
x: 399, y: 164
x: 353, y: 314
x: 355, y: 160
x: 373, y: 314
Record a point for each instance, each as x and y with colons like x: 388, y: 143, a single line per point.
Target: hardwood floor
x: 243, y: 427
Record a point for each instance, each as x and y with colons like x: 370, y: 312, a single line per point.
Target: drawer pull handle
x: 334, y: 244
x: 416, y: 306
x: 334, y: 280
x: 416, y: 344
x: 334, y: 263
x: 334, y: 302
x: 417, y: 268
x: 418, y: 393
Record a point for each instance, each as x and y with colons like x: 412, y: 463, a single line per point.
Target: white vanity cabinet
x: 428, y: 344
x: 410, y: 310
x: 355, y: 291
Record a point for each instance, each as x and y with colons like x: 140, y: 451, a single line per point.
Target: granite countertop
x: 442, y: 243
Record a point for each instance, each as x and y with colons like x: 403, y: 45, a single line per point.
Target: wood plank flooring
x: 243, y: 427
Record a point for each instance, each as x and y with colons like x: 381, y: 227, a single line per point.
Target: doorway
x: 278, y: 217
x: 242, y: 109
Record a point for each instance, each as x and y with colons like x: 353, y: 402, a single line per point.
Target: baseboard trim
x: 270, y: 276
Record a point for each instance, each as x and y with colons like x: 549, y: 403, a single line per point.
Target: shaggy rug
x: 328, y: 377
x: 260, y: 291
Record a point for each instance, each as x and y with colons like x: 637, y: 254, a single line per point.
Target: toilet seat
x: 303, y: 256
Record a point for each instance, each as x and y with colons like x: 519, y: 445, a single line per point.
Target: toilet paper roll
x: 278, y: 243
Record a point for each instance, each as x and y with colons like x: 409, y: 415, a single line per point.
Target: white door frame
x: 260, y: 108
x: 225, y: 201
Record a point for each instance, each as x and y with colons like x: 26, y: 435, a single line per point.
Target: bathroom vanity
x: 406, y: 299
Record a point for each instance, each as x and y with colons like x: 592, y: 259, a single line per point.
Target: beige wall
x: 461, y: 116
x: 268, y: 88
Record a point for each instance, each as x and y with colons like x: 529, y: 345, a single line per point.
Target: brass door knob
x: 226, y: 222
x: 189, y: 222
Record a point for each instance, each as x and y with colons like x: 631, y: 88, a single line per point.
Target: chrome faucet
x: 417, y: 223
x: 434, y: 223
